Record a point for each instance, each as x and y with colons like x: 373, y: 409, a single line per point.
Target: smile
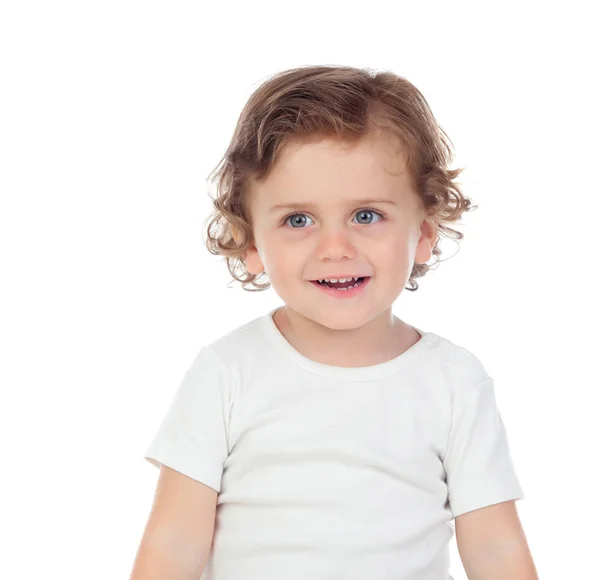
x: 346, y: 289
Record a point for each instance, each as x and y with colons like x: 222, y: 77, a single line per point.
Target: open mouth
x: 343, y: 286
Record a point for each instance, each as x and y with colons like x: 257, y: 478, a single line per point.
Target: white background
x: 112, y: 116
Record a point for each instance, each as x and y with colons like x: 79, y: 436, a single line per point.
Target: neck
x: 381, y: 339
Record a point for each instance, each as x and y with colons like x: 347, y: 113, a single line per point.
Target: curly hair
x: 330, y: 101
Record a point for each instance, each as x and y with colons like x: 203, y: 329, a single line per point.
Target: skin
x: 328, y: 233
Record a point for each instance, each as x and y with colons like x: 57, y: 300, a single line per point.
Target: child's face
x: 332, y: 230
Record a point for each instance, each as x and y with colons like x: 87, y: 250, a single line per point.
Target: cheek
x: 394, y: 249
x: 280, y: 256
x: 394, y: 260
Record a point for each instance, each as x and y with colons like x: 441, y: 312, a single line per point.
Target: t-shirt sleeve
x: 193, y: 436
x: 478, y: 463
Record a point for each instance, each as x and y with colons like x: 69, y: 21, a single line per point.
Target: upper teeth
x: 342, y: 280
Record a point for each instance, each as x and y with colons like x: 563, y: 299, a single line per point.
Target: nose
x: 335, y: 244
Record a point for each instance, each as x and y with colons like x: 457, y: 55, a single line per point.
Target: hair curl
x: 330, y: 101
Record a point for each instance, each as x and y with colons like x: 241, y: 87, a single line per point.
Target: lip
x: 343, y: 293
x: 339, y: 276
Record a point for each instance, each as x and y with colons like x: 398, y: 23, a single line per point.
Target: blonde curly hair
x: 330, y: 101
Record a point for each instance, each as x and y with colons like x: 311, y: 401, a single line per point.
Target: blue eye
x: 362, y: 212
x: 297, y: 218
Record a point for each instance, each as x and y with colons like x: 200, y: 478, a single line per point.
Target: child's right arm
x: 178, y: 536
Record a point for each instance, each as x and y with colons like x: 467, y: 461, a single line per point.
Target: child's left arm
x: 492, y: 544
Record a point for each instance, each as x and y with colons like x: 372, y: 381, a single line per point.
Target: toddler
x: 329, y: 439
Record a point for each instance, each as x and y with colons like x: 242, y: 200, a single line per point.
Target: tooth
x: 334, y: 280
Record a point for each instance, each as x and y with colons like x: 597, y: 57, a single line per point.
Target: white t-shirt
x: 329, y: 472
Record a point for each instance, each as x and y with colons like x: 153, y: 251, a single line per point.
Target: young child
x: 328, y: 439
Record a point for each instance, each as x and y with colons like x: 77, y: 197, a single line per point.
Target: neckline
x: 365, y: 373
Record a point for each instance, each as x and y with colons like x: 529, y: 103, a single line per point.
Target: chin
x: 339, y: 320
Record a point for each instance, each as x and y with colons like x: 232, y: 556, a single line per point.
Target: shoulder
x: 460, y: 365
x: 239, y: 348
x: 222, y: 365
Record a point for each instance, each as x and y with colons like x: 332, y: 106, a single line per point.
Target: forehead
x: 318, y: 170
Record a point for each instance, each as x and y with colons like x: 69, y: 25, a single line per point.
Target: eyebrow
x: 309, y: 205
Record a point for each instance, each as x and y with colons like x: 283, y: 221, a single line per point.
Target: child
x: 329, y: 439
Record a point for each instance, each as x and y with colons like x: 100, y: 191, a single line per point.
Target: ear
x: 427, y: 240
x: 252, y: 260
x: 250, y: 257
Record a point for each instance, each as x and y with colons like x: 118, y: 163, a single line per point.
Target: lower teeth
x: 347, y: 288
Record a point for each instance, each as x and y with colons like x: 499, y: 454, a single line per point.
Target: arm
x: 178, y: 536
x: 492, y: 544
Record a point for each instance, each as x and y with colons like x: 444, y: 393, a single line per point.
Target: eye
x: 366, y: 212
x: 296, y: 219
